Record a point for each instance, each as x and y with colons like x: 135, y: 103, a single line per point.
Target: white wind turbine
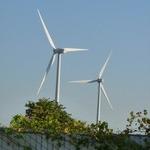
x: 58, y: 52
x: 101, y: 89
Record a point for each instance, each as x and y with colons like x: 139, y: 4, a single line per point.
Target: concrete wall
x: 34, y: 141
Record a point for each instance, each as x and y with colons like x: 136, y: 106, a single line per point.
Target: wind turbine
x: 101, y: 89
x: 58, y: 52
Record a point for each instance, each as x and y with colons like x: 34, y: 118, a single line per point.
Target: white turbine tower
x: 101, y: 89
x: 58, y: 52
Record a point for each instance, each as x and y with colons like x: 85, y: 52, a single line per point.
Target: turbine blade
x: 46, y: 30
x: 66, y: 50
x: 104, y: 66
x: 54, y: 56
x: 82, y: 81
x: 92, y: 81
x: 102, y: 87
x: 47, y: 70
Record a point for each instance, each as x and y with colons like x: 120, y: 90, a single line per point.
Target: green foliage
x: 27, y: 148
x: 138, y: 123
x: 20, y: 123
x: 50, y: 118
x: 92, y: 134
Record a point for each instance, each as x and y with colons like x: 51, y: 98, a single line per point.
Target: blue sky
x: 100, y: 26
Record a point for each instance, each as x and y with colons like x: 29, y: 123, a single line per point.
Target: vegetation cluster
x: 50, y: 118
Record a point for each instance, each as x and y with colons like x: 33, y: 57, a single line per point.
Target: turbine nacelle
x: 100, y: 80
x: 58, y: 50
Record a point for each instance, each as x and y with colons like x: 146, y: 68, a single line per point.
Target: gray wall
x: 40, y: 142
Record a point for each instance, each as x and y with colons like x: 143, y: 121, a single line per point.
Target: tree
x: 138, y: 123
x: 46, y: 116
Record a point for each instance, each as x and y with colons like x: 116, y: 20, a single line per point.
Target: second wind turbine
x: 58, y: 52
x: 101, y: 89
